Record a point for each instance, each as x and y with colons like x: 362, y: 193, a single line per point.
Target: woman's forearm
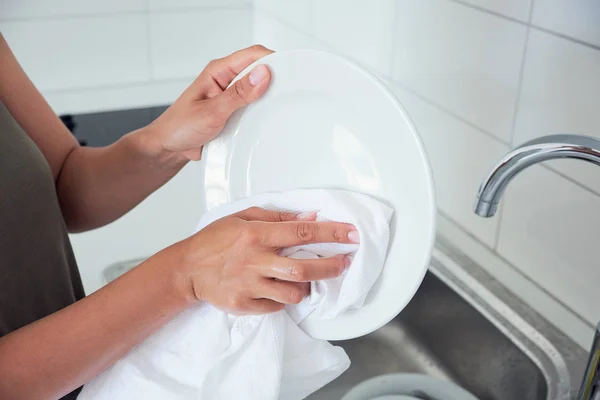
x: 95, y: 185
x: 233, y: 264
x: 98, y: 185
x: 55, y: 355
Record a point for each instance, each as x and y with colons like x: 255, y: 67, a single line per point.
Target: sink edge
x: 560, y: 360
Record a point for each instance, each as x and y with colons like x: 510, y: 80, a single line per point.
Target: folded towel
x: 207, y: 354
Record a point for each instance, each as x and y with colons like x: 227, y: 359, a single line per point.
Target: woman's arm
x: 98, y: 185
x: 53, y: 356
x: 232, y: 264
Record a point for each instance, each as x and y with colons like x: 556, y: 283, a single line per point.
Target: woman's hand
x: 201, y: 112
x: 234, y: 263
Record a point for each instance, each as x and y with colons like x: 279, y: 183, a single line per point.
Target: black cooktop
x: 103, y: 128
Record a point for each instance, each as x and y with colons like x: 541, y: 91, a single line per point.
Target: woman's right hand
x: 233, y: 263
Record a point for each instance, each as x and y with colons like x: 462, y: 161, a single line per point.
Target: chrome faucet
x: 492, y: 188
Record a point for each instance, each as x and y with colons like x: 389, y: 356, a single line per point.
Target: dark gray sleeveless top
x: 38, y: 273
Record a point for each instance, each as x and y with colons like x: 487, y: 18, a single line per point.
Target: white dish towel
x: 207, y: 354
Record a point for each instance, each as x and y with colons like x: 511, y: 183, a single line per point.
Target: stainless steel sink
x: 463, y: 326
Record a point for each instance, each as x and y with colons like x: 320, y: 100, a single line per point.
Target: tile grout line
x: 517, y: 270
x: 67, y: 17
x: 500, y: 216
x: 451, y: 113
x: 289, y: 25
x: 125, y: 85
x: 520, y: 82
x: 394, y: 38
x: 573, y: 181
x: 488, y: 11
x: 567, y: 38
x: 530, y: 16
x: 148, y: 41
x: 514, y: 124
x: 514, y: 121
x: 247, y: 6
x: 528, y: 23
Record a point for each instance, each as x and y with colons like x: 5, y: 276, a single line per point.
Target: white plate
x: 326, y: 123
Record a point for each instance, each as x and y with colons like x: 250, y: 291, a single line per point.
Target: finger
x: 242, y: 92
x: 225, y: 69
x: 219, y: 73
x: 282, y: 291
x: 294, y: 270
x: 261, y: 214
x: 288, y: 234
x: 263, y: 306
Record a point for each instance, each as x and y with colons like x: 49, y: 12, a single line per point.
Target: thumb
x: 243, y: 91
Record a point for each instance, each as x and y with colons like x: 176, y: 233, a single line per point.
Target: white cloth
x: 207, y: 354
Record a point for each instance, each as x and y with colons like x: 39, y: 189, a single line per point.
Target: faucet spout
x: 535, y: 151
x: 538, y: 150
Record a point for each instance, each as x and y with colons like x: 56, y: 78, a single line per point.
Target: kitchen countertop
x: 103, y: 128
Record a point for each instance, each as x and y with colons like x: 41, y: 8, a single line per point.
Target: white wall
x: 477, y: 77
x: 89, y: 55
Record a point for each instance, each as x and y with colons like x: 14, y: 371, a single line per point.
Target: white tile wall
x: 182, y: 43
x: 165, y: 217
x: 458, y: 64
x: 457, y: 169
x: 81, y: 52
x: 462, y: 59
x: 90, y: 56
x: 560, y: 94
x: 519, y: 9
x: 550, y: 229
x: 97, y: 99
x: 156, y: 5
x: 272, y: 33
x: 26, y: 9
x: 578, y: 19
x: 295, y: 13
x: 364, y: 30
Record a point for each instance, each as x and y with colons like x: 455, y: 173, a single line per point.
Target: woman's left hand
x: 201, y: 112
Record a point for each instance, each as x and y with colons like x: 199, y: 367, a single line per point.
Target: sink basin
x: 457, y: 329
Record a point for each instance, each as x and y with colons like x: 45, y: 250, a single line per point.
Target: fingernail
x: 258, y: 74
x: 353, y: 237
x: 306, y: 215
